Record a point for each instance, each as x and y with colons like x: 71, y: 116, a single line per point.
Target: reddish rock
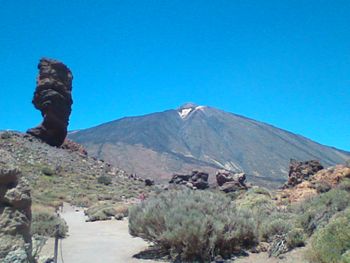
x: 301, y: 171
x: 74, y: 147
x: 53, y: 98
x: 231, y: 182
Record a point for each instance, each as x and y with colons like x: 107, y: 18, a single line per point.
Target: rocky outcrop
x: 195, y: 180
x: 301, y: 171
x: 323, y: 180
x: 71, y: 146
x: 231, y: 182
x: 53, y: 98
x: 15, y: 214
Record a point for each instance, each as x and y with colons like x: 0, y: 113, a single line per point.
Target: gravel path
x: 97, y: 242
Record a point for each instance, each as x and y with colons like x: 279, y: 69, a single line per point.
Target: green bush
x: 345, y: 257
x: 260, y: 190
x: 273, y: 227
x: 104, y: 179
x: 344, y: 185
x: 316, y: 212
x: 193, y: 225
x: 44, y: 224
x: 331, y: 243
x: 296, y: 238
x: 47, y: 171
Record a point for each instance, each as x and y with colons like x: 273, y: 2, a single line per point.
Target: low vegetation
x: 199, y: 225
x: 332, y: 242
x: 106, y: 210
x: 45, y: 223
x: 194, y: 225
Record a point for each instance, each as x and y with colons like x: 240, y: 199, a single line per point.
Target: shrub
x: 47, y: 171
x: 260, y: 190
x: 345, y: 257
x: 104, y: 179
x: 332, y: 242
x: 260, y: 204
x: 344, y: 185
x: 317, y: 211
x: 105, y: 211
x: 273, y: 227
x: 296, y: 238
x: 322, y: 187
x: 193, y: 225
x: 44, y: 224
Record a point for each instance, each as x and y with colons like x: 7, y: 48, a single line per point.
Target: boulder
x: 53, y: 98
x: 195, y: 180
x: 149, y: 182
x: 15, y: 215
x: 223, y: 176
x: 231, y: 182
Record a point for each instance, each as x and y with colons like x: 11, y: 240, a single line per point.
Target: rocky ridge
x: 58, y: 175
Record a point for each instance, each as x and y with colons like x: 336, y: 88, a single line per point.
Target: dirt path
x: 97, y: 242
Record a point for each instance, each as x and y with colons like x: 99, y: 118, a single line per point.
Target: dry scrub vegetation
x: 199, y: 225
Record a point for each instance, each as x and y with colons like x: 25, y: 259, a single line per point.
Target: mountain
x: 205, y: 138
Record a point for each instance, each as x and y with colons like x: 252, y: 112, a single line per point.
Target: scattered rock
x: 53, y: 98
x: 197, y: 180
x: 71, y: 146
x: 231, y: 182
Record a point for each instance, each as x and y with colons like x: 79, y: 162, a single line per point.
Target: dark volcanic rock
x: 15, y: 214
x: 231, y: 182
x: 149, y: 182
x: 223, y: 177
x: 301, y: 171
x: 197, y: 180
x: 53, y: 98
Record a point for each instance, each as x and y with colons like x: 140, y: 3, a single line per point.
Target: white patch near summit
x: 184, y: 113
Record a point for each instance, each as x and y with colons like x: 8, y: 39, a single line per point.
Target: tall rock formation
x: 15, y: 214
x: 54, y: 99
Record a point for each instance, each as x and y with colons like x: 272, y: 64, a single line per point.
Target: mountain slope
x: 205, y: 138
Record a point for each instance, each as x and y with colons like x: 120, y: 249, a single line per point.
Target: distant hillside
x: 205, y: 138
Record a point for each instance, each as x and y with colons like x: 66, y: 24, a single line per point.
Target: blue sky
x: 286, y: 63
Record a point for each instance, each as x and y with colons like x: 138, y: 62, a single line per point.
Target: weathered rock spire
x: 54, y: 99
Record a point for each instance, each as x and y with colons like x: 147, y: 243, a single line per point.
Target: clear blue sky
x: 286, y: 63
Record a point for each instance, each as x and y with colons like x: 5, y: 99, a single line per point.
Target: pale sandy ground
x: 96, y: 242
